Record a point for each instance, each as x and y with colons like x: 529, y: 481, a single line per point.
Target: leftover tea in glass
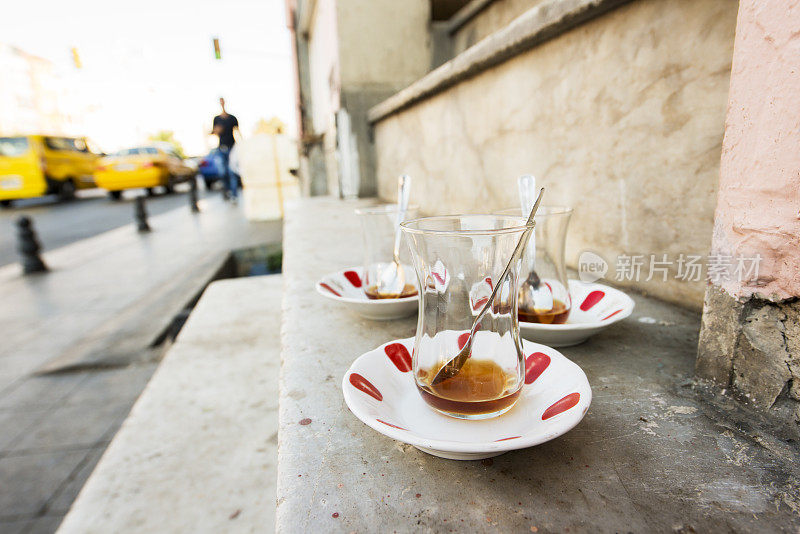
x: 481, y: 387
x: 409, y: 290
x: 544, y: 290
x: 378, y: 230
x: 458, y: 261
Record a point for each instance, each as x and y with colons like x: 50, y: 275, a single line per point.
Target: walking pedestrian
x: 226, y: 127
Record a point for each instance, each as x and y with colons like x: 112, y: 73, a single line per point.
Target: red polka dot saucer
x: 379, y: 389
x: 347, y: 288
x: 595, y: 307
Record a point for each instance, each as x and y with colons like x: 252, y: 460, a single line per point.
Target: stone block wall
x: 753, y: 348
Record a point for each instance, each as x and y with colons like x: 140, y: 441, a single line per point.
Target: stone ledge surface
x: 197, y: 452
x: 543, y: 22
x: 650, y: 456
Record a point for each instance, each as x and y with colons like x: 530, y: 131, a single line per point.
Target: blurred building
x: 351, y: 55
x: 40, y: 97
x: 31, y: 94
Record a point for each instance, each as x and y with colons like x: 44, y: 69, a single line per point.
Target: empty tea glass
x: 544, y: 291
x: 458, y: 260
x: 378, y: 226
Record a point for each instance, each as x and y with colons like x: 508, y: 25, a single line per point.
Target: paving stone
x: 40, y: 391
x: 30, y: 480
x: 63, y: 500
x: 14, y: 424
x: 114, y: 385
x: 17, y: 526
x: 43, y: 525
x: 72, y: 427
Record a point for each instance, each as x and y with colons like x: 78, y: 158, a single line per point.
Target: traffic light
x: 217, y: 53
x: 76, y: 59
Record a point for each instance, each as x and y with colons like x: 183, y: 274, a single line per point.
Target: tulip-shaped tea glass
x: 544, y: 291
x: 458, y: 259
x: 378, y: 228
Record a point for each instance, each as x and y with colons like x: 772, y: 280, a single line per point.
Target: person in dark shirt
x: 225, y: 125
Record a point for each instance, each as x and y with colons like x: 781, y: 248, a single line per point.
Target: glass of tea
x: 458, y: 259
x: 544, y: 290
x: 378, y: 226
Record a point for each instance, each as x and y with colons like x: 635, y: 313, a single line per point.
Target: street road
x: 93, y: 212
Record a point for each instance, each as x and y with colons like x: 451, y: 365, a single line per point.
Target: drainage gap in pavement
x: 252, y: 261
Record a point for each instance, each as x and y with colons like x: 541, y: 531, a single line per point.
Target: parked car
x: 211, y: 168
x: 142, y: 167
x: 36, y: 165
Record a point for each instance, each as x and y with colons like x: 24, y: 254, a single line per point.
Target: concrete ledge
x: 652, y: 455
x: 197, y: 452
x: 543, y: 22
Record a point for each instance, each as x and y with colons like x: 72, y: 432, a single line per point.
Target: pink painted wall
x: 758, y: 206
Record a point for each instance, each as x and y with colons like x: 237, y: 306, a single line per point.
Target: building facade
x: 350, y: 55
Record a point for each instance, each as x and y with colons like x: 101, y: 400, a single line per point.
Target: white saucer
x: 594, y: 307
x: 346, y: 287
x: 380, y: 390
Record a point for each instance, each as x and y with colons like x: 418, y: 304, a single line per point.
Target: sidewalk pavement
x: 94, y: 317
x: 198, y: 451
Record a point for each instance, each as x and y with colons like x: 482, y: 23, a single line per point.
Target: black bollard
x: 29, y: 247
x: 193, y: 196
x: 141, y: 216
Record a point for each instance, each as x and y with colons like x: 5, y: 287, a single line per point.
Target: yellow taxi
x: 146, y: 167
x: 36, y: 165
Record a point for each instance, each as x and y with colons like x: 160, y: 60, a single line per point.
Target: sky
x: 149, y: 65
